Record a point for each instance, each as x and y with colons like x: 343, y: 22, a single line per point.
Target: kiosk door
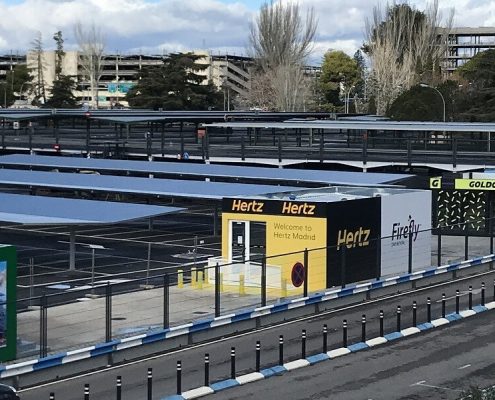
x: 239, y: 246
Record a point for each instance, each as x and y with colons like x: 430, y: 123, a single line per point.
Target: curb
x: 311, y: 360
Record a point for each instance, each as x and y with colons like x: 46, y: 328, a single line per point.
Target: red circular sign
x: 298, y: 274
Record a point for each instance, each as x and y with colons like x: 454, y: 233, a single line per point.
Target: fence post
x: 119, y: 387
x: 414, y: 311
x: 179, y: 378
x: 258, y: 356
x: 443, y: 305
x: 457, y: 296
x: 428, y: 309
x: 207, y: 369
x: 150, y: 384
x: 325, y: 338
x: 410, y: 255
x: 217, y: 290
x: 482, y: 293
x: 232, y: 363
x: 279, y: 149
x: 363, y: 328
x: 466, y: 243
x: 43, y: 327
x: 281, y: 350
x: 398, y: 318
x: 344, y: 333
x: 470, y: 297
x: 263, y: 282
x: 439, y: 248
x: 86, y: 391
x: 342, y: 265
x: 306, y: 276
x: 381, y: 323
x: 108, y: 313
x: 166, y: 301
x: 303, y: 344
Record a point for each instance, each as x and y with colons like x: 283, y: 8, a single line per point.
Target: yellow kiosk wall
x: 287, y: 234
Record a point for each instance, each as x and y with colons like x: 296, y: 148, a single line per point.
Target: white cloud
x: 177, y: 25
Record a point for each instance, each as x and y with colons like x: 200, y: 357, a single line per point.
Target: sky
x: 162, y: 26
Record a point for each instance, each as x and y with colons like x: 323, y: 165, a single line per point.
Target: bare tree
x: 37, y: 65
x: 91, y: 44
x: 405, y: 46
x: 281, y: 40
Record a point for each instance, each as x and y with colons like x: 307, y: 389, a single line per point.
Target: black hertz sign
x: 274, y: 207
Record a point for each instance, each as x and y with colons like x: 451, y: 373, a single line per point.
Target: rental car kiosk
x: 350, y: 233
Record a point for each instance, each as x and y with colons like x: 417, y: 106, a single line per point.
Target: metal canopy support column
x: 72, y: 250
x: 215, y: 220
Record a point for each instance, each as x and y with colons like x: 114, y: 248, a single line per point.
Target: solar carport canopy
x: 142, y: 186
x: 25, y: 209
x: 205, y: 170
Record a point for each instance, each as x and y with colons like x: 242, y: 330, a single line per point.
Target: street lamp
x: 424, y: 85
x: 347, y: 99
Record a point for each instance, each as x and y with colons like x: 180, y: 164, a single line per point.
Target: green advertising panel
x: 8, y: 315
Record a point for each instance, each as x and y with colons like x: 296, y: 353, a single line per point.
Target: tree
x: 62, y: 93
x: 339, y: 73
x: 17, y: 82
x: 175, y: 85
x: 280, y: 41
x: 475, y: 393
x: 405, y: 47
x: 39, y: 70
x: 91, y: 44
x: 59, y: 53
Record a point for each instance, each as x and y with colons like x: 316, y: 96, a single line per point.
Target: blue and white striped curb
x: 242, y: 315
x: 311, y: 360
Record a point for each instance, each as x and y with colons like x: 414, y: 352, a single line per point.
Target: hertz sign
x: 475, y: 184
x: 274, y: 207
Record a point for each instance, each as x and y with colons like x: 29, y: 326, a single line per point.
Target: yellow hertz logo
x: 304, y: 208
x: 436, y: 183
x: 475, y: 184
x: 248, y: 206
x: 350, y: 239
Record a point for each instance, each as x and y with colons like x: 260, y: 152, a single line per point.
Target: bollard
x: 443, y: 305
x: 119, y: 387
x: 180, y: 278
x: 194, y: 277
x: 179, y: 378
x: 470, y: 297
x: 457, y: 297
x: 207, y: 369
x: 428, y: 309
x: 281, y: 350
x: 52, y: 396
x: 232, y: 363
x: 86, y: 391
x: 344, y: 333
x: 415, y: 312
x: 242, y: 285
x: 381, y: 323
x: 303, y: 344
x: 482, y: 293
x: 398, y: 318
x: 150, y: 383
x: 200, y: 279
x: 325, y: 338
x: 283, y: 285
x: 258, y: 356
x: 363, y: 328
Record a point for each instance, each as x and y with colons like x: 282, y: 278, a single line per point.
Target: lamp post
x: 347, y: 99
x: 424, y: 85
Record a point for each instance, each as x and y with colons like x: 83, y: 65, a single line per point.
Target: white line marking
x: 464, y: 366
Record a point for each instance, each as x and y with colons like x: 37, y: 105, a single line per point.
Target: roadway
x: 412, y: 368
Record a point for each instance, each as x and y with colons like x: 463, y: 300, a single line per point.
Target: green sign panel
x: 8, y: 312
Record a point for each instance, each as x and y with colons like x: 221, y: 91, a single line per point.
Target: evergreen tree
x: 175, y: 85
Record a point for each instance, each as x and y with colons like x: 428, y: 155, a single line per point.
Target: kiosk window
x: 238, y: 241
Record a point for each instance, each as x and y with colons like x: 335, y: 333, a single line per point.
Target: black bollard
x: 52, y: 396
x: 428, y: 309
x: 86, y: 391
x: 207, y: 369
x: 457, y: 298
x: 150, y: 383
x: 119, y: 387
x: 232, y: 363
x: 179, y: 378
x: 381, y: 323
x: 281, y: 350
x: 344, y: 333
x: 258, y: 356
x: 303, y: 344
x: 443, y: 305
x: 325, y: 338
x: 415, y: 312
x: 398, y: 318
x: 363, y: 328
x: 470, y: 297
x: 482, y: 293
